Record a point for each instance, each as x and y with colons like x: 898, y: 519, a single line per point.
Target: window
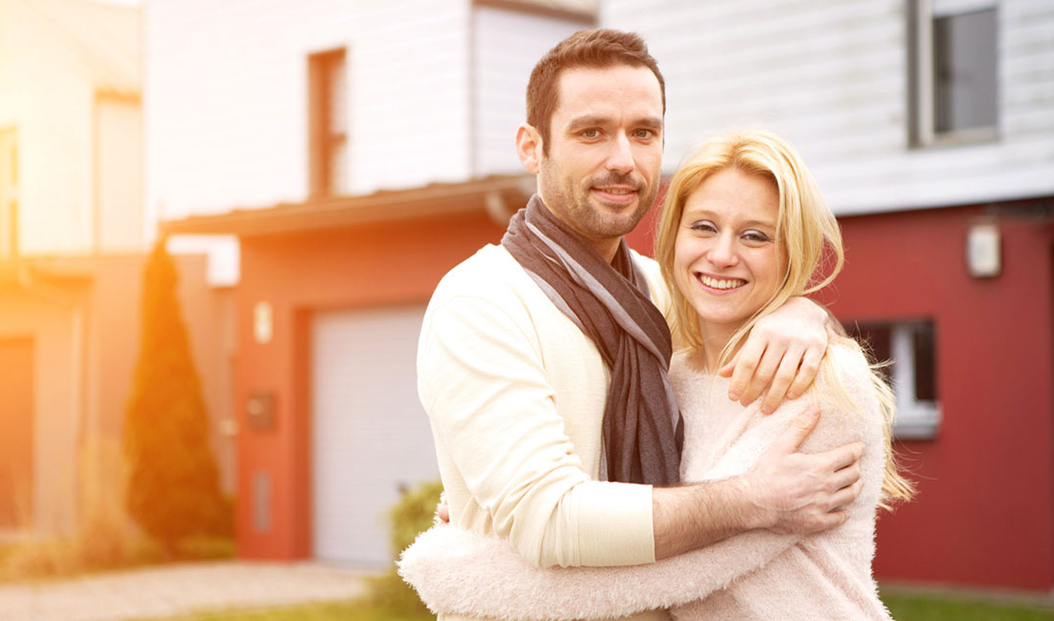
x: 954, y: 85
x: 911, y: 346
x: 8, y: 195
x: 327, y: 106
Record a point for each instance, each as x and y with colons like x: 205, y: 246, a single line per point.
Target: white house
x: 73, y: 233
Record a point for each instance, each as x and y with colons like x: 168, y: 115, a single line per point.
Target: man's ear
x: 529, y: 147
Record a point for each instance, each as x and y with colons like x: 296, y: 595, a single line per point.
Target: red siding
x: 985, y: 510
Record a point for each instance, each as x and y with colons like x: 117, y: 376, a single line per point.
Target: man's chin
x: 617, y: 225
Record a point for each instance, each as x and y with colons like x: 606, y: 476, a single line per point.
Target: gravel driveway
x: 175, y: 590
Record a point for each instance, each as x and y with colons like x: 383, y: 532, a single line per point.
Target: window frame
x: 915, y: 419
x: 323, y: 141
x: 9, y: 194
x: 922, y: 80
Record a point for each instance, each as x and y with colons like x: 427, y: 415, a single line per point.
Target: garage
x: 371, y: 438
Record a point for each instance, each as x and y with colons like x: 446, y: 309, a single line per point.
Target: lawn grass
x: 918, y: 607
x: 66, y: 557
x: 903, y: 607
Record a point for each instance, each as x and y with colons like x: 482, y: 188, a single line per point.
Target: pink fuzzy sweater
x: 755, y: 575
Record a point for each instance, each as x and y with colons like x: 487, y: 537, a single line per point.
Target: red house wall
x: 299, y: 273
x: 985, y: 510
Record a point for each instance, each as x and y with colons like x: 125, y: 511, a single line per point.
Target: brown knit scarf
x: 609, y: 302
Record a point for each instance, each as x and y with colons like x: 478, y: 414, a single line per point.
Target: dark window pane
x: 876, y: 339
x: 965, y: 71
x: 327, y: 99
x: 925, y: 363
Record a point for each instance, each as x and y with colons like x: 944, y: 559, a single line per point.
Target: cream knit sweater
x: 755, y: 575
x: 515, y: 394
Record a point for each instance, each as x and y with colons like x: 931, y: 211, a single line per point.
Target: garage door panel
x: 370, y: 433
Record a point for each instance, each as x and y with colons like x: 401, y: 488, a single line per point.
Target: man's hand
x: 801, y: 493
x: 784, y: 349
x: 442, y: 511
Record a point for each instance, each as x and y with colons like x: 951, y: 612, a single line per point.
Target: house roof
x: 497, y: 195
x: 584, y: 10
x: 105, y: 38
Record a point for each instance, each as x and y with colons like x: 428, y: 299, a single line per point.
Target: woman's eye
x: 756, y: 236
x: 703, y: 227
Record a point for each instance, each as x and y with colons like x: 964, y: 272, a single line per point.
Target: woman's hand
x: 783, y: 352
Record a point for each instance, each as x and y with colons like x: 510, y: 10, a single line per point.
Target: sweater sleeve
x: 482, y: 381
x: 456, y: 572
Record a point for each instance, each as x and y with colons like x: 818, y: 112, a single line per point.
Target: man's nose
x: 620, y: 159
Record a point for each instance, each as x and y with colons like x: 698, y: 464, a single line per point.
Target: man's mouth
x: 619, y: 195
x: 720, y: 283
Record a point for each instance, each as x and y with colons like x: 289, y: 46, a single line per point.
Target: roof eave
x: 498, y: 196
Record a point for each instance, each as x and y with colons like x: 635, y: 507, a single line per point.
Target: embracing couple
x: 617, y: 436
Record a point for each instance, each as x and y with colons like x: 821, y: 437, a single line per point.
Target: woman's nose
x: 723, y: 252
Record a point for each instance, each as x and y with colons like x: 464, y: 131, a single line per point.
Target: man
x: 542, y: 364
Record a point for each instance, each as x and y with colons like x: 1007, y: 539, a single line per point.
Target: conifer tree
x: 173, y: 489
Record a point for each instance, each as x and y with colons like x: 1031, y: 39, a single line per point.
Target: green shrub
x: 410, y: 516
x: 173, y: 486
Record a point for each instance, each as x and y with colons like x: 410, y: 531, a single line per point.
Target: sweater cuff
x: 615, y: 525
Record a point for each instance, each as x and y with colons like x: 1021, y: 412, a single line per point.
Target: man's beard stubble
x: 573, y: 203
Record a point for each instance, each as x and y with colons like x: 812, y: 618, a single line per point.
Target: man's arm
x: 783, y: 352
x: 492, y: 404
x: 787, y: 492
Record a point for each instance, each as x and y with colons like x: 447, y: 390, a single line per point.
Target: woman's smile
x: 719, y: 285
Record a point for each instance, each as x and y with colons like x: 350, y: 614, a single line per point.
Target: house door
x: 16, y: 433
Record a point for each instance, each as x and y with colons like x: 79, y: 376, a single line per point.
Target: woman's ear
x: 529, y: 147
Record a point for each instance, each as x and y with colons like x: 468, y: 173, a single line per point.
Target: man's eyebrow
x: 588, y: 120
x: 596, y: 120
x: 649, y: 122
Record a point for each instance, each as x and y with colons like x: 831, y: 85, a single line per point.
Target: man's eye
x: 591, y: 133
x: 644, y: 134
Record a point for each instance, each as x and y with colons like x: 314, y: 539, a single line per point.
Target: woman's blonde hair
x: 807, y: 235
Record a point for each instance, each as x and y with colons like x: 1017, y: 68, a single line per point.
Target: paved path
x: 177, y: 590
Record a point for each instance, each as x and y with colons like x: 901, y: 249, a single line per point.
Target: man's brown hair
x: 599, y: 48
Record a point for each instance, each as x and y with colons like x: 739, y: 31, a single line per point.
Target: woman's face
x: 726, y: 260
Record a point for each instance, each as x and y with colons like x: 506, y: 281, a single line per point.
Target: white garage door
x: 371, y: 436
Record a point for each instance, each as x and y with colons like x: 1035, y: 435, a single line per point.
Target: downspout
x: 473, y: 146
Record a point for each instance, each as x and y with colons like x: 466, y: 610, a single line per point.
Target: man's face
x: 601, y: 173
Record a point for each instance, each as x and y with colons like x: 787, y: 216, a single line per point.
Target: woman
x: 743, y: 230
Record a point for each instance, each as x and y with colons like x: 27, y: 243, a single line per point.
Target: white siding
x: 226, y: 97
x: 832, y: 77
x: 119, y: 175
x: 506, y: 46
x: 46, y: 95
